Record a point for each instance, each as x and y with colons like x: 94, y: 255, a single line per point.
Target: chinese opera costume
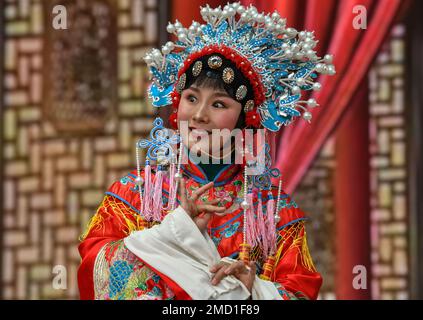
x: 141, y: 244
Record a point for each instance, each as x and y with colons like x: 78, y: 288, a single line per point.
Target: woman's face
x: 205, y: 109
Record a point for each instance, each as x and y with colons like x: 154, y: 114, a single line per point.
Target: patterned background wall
x: 54, y: 176
x: 388, y: 149
x: 315, y: 196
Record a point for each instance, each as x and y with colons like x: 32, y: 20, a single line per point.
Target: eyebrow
x: 215, y: 94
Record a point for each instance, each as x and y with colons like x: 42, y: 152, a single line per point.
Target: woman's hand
x: 245, y: 274
x: 199, y: 212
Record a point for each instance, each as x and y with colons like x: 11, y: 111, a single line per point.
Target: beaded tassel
x: 273, y: 219
x: 139, y: 179
x: 271, y: 226
x: 245, y: 247
x: 277, y: 217
x: 178, y: 174
x: 261, y: 225
x: 172, y: 181
x: 157, y: 197
x: 172, y: 186
x: 268, y: 268
x: 147, y: 210
x: 251, y: 233
x: 244, y: 252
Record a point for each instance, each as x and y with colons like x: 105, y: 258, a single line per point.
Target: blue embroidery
x: 120, y: 272
x: 229, y: 231
x: 161, y: 141
x: 283, y: 203
x: 155, y: 278
x: 263, y: 181
x: 130, y: 178
x: 216, y: 240
x: 156, y: 291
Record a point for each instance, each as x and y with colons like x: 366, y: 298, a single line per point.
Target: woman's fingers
x: 214, y: 201
x: 210, y: 208
x: 218, y: 266
x: 236, y: 267
x: 182, y: 191
x: 253, y: 270
x: 246, y: 273
x: 252, y: 275
x: 219, y: 275
x: 201, y: 190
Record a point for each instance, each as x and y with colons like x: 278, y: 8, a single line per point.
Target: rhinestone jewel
x: 241, y: 92
x: 215, y: 62
x: 181, y: 83
x: 196, y: 69
x: 228, y: 75
x: 249, y: 105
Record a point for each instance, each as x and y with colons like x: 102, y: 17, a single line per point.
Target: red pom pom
x: 176, y: 97
x: 173, y: 120
x: 252, y: 119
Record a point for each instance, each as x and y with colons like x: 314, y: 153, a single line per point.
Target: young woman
x: 188, y: 229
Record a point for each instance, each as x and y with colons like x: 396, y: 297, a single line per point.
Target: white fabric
x: 179, y: 250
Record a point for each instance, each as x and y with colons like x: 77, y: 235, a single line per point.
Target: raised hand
x: 243, y: 272
x: 200, y: 212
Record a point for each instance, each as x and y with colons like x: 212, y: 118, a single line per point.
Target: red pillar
x: 352, y: 197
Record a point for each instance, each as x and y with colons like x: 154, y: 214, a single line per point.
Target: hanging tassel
x: 248, y: 234
x: 261, y: 226
x: 178, y: 175
x: 251, y: 231
x: 139, y: 180
x: 157, y: 201
x: 172, y: 187
x: 244, y: 252
x: 271, y: 225
x: 147, y: 210
x: 268, y: 268
x: 305, y: 254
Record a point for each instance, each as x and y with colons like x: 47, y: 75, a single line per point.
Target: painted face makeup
x: 204, y: 110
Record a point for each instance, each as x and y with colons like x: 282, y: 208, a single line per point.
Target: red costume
x: 110, y: 271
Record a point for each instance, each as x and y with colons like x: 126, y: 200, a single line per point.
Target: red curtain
x: 353, y: 51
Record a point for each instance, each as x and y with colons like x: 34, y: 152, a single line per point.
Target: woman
x: 189, y: 229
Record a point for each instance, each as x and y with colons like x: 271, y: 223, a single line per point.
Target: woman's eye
x: 219, y: 105
x: 191, y: 98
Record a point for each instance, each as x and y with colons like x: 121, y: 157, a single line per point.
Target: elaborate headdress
x: 277, y: 62
x: 263, y: 64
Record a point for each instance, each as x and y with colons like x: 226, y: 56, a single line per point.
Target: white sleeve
x: 179, y: 250
x: 265, y: 290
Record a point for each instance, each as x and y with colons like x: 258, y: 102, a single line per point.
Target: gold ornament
x: 181, y: 83
x: 241, y: 92
x: 228, y: 75
x: 196, y: 69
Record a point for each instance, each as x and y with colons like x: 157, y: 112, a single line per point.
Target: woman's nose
x: 201, y: 114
